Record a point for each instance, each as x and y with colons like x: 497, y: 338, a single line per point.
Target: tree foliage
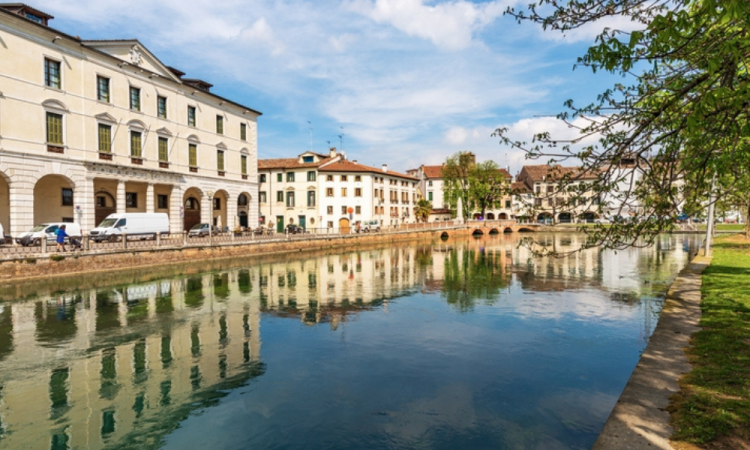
x: 423, y: 210
x: 678, y: 117
x: 480, y: 186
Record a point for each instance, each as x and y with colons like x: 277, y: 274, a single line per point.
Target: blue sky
x: 408, y: 82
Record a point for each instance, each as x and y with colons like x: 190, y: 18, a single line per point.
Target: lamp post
x: 210, y: 195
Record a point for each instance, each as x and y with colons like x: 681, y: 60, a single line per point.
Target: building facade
x: 328, y: 192
x: 540, y: 195
x: 90, y: 128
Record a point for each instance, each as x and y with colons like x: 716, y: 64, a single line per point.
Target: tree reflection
x: 472, y: 275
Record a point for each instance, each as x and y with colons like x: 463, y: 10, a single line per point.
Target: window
x: 102, y: 89
x: 219, y: 124
x: 290, y: 177
x: 290, y: 199
x: 101, y: 201
x: 52, y: 73
x: 311, y: 175
x: 220, y: 160
x: 343, y: 192
x: 537, y: 202
x: 343, y: 178
x: 135, y: 98
x: 429, y: 196
x: 262, y: 197
x: 329, y: 192
x: 135, y: 144
x: 329, y: 210
x: 263, y: 178
x: 191, y: 116
x: 243, y: 131
x: 279, y: 177
x: 161, y: 107
x: 67, y: 197
x: 429, y: 183
x: 358, y: 192
x: 330, y: 224
x: 217, y: 204
x: 310, y: 199
x: 131, y: 199
x: 329, y: 177
x: 243, y: 164
x: 507, y: 204
x: 163, y: 149
x: 549, y: 189
x: 54, y: 128
x: 280, y: 196
x: 193, y: 155
x: 343, y: 210
x: 357, y: 210
x: 357, y: 178
x: 308, y: 159
x: 162, y: 201
x: 105, y: 138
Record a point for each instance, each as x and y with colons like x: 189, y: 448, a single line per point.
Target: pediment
x: 105, y: 117
x: 194, y: 138
x: 55, y: 105
x: 135, y: 54
x: 164, y: 132
x: 221, y: 145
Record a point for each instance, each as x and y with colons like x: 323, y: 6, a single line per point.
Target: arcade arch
x: 53, y: 199
x: 191, y: 204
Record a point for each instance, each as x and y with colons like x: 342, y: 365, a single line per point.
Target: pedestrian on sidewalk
x: 61, y: 235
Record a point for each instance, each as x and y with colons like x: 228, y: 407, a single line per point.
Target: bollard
x: 210, y: 238
x: 124, y: 240
x: 44, y: 245
x: 158, y: 239
x: 287, y: 235
x: 86, y: 243
x: 184, y: 238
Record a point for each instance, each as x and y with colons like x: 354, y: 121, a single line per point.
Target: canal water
x: 461, y: 344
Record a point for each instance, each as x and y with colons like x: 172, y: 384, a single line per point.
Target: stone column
x: 121, y: 197
x: 84, y: 201
x: 21, y: 199
x: 232, y: 220
x: 175, y: 210
x: 207, y: 210
x: 150, y: 198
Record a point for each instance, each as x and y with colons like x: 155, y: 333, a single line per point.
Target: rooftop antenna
x: 341, y: 138
x: 311, y: 130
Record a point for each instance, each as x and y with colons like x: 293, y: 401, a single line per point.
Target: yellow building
x: 89, y: 128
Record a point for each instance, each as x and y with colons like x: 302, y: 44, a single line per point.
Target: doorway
x: 344, y: 226
x: 279, y: 224
x: 302, y: 222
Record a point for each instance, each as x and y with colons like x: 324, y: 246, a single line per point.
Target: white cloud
x: 260, y: 32
x: 449, y: 25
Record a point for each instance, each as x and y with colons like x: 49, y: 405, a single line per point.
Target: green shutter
x: 105, y: 138
x: 220, y: 160
x: 193, y: 155
x: 163, y: 149
x: 243, y: 164
x: 135, y: 144
x: 243, y: 131
x: 54, y: 128
x: 219, y: 125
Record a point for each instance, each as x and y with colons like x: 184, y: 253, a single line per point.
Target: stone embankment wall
x: 35, y: 267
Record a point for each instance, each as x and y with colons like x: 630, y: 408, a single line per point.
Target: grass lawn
x: 713, y: 409
x: 725, y: 226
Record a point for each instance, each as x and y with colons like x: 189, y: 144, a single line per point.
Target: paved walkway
x: 640, y: 420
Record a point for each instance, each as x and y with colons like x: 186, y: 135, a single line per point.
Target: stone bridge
x: 491, y: 227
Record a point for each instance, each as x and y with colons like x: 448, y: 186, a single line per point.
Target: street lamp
x: 210, y: 195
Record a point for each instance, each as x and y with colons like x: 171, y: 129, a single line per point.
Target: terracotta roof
x: 288, y: 163
x: 348, y: 166
x: 433, y: 171
x: 505, y: 173
x: 542, y: 171
x: 440, y: 211
x: 520, y: 187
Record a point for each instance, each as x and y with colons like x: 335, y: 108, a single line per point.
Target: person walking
x: 61, y: 235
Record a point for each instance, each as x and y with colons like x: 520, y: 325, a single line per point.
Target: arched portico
x: 502, y: 216
x: 490, y: 216
x: 243, y: 208
x: 564, y: 217
x: 544, y: 217
x: 53, y: 199
x: 191, y: 207
x: 219, y: 210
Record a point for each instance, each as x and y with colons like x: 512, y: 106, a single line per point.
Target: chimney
x: 354, y: 162
x: 385, y: 167
x: 332, y: 152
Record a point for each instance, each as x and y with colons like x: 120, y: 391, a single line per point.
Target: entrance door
x: 344, y: 226
x: 279, y: 224
x: 302, y: 222
x: 105, y: 205
x: 243, y: 219
x: 192, y: 213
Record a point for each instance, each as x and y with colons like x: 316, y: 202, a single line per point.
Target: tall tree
x: 678, y: 117
x: 487, y: 186
x: 423, y: 210
x: 455, y: 174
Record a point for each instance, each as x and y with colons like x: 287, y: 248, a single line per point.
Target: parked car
x: 47, y: 230
x: 143, y: 225
x: 295, y: 229
x: 201, y: 230
x: 370, y: 226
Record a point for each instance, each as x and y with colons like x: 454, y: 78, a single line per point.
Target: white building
x: 89, y: 128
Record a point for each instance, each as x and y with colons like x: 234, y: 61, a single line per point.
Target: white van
x: 35, y: 235
x: 138, y: 225
x: 2, y: 235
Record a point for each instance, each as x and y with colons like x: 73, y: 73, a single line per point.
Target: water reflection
x: 123, y: 366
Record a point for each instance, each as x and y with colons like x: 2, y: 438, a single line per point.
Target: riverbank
x: 72, y: 264
x: 640, y: 419
x: 713, y: 409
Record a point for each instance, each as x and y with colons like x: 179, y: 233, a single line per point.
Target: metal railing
x: 97, y: 245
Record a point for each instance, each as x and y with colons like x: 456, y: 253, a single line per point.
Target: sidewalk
x: 640, y: 420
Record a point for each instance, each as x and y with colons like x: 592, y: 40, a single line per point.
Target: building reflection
x: 123, y: 366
